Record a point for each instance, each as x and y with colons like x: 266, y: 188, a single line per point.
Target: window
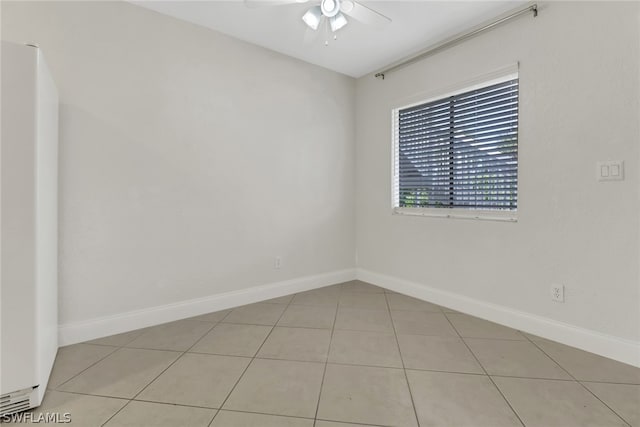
x: 458, y: 155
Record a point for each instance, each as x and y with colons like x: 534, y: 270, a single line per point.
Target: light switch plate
x: 611, y: 170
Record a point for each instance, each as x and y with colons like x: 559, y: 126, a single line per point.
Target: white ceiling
x: 360, y: 48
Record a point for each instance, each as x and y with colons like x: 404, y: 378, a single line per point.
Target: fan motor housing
x: 330, y: 8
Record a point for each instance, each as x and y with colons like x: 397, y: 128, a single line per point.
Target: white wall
x: 188, y: 159
x: 579, y: 86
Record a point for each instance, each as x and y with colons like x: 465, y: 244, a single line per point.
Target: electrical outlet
x: 557, y: 293
x: 277, y: 263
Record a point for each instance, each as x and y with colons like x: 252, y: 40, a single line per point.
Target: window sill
x: 482, y: 215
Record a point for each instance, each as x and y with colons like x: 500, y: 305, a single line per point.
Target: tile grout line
x: 326, y: 363
x: 332, y: 363
x: 607, y: 382
x: 186, y: 405
x: 164, y: 370
x: 404, y: 370
x: 566, y: 380
x: 485, y: 371
x: 57, y: 388
x: 226, y: 410
x: 267, y: 414
x: 279, y: 326
x: 90, y: 395
x: 577, y: 380
x: 90, y: 343
x: 350, y: 423
x: 252, y: 358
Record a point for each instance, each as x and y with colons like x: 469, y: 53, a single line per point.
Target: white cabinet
x: 29, y: 227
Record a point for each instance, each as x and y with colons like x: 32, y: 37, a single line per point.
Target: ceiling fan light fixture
x: 338, y: 22
x: 330, y: 8
x: 312, y: 17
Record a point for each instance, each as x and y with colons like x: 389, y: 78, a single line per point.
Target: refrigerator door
x: 28, y: 271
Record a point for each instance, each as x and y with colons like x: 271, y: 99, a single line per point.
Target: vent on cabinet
x: 16, y: 401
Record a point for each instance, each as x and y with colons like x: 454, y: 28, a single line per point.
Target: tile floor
x: 344, y: 355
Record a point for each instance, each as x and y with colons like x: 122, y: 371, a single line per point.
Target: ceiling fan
x: 332, y: 11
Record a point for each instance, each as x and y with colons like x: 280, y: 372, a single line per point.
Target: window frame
x: 510, y: 215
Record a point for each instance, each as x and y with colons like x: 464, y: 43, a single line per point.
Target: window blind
x: 460, y: 151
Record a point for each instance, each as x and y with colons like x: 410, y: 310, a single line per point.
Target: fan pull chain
x: 326, y: 32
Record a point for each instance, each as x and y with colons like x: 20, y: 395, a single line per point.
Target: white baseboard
x: 616, y: 348
x: 72, y: 333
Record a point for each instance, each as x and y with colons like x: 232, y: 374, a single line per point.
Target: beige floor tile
x: 588, y: 366
x: 404, y: 302
x: 73, y: 359
x: 359, y: 286
x: 83, y: 410
x: 197, y: 380
x: 118, y: 340
x: 214, y: 317
x: 245, y: 419
x: 365, y: 348
x: 624, y: 399
x: 515, y: 358
x: 145, y: 414
x: 338, y: 424
x: 319, y: 297
x: 121, y: 374
x: 363, y: 320
x: 446, y: 399
x: 553, y: 403
x: 175, y: 336
x: 422, y: 323
x: 364, y: 300
x: 280, y: 300
x: 362, y: 394
x: 534, y: 337
x: 278, y: 387
x: 256, y: 314
x: 331, y: 288
x: 233, y: 340
x: 438, y: 354
x: 473, y: 327
x: 306, y: 316
x: 311, y: 345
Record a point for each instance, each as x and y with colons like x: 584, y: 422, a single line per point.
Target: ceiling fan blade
x: 364, y: 14
x: 261, y: 3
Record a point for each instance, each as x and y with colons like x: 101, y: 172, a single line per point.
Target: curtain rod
x: 457, y: 39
